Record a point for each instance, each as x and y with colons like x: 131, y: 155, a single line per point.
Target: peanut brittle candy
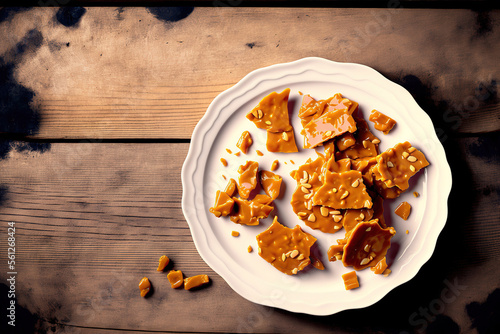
x: 366, y: 142
x: 403, y: 210
x: 386, y: 192
x: 343, y: 191
x: 364, y: 165
x: 353, y: 217
x: 342, y: 165
x: 380, y: 267
x: 316, y: 217
x: 338, y: 102
x: 307, y: 169
x: 271, y: 183
x: 366, y: 245
x: 345, y: 141
x: 195, y: 281
x: 327, y: 126
x: 262, y: 199
x: 248, y: 178
x: 244, y: 142
x: 249, y: 212
x: 223, y: 204
x: 287, y: 249
x: 396, y: 165
x: 350, y: 280
x: 230, y: 188
x: 381, y: 122
x: 335, y: 252
x: 281, y: 142
x: 329, y: 148
x: 271, y: 113
x: 310, y: 108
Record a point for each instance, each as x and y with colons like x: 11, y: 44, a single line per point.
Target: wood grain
x: 130, y: 74
x: 93, y: 218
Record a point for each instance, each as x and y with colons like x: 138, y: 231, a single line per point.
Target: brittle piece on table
x: 316, y: 217
x: 367, y: 244
x: 281, y: 142
x: 249, y: 212
x: 396, y: 165
x: 271, y: 113
x: 343, y: 191
x: 327, y: 126
x: 247, y: 180
x: 287, y: 249
x: 271, y: 183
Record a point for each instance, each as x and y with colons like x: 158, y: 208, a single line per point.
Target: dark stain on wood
x: 485, y: 317
x: 443, y: 324
x: 250, y: 45
x: 483, y: 23
x: 70, y: 16
x: 6, y: 14
x: 26, y: 321
x: 3, y: 193
x: 119, y: 12
x: 486, y: 147
x: 170, y: 14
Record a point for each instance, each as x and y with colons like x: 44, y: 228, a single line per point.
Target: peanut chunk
x: 144, y: 286
x: 195, y: 281
x: 163, y: 262
x: 245, y: 142
x: 175, y: 278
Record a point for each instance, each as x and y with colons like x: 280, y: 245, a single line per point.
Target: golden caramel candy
x: 223, y: 204
x: 345, y: 141
x: 262, y: 199
x: 366, y: 245
x: 249, y: 212
x: 353, y: 217
x: 343, y: 191
x: 350, y: 280
x: 335, y: 252
x: 287, y: 249
x: 248, y: 178
x: 327, y: 126
x: 235, y: 233
x: 396, y: 165
x: 230, y: 188
x: 163, y: 262
x: 403, y: 210
x: 281, y: 142
x: 381, y: 122
x: 195, y: 281
x: 271, y: 113
x: 380, y: 267
x: 144, y: 286
x: 271, y: 183
x: 366, y: 144
x: 340, y: 166
x: 316, y: 217
x: 223, y: 161
x: 309, y: 168
x: 244, y: 142
x: 275, y: 165
x: 175, y: 278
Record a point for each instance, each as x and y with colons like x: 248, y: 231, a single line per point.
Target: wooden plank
x: 137, y: 73
x: 92, y: 219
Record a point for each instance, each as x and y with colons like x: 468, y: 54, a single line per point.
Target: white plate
x: 312, y: 291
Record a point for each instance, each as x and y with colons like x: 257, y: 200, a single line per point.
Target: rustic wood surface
x: 97, y: 109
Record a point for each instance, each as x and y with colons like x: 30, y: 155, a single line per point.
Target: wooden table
x: 97, y: 110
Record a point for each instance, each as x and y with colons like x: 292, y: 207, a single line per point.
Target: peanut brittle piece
x: 396, y: 165
x: 230, y: 188
x: 350, y: 280
x: 381, y: 122
x: 223, y: 204
x: 380, y: 267
x: 403, y: 210
x: 249, y: 212
x: 283, y: 142
x: 353, y: 217
x: 345, y: 141
x: 342, y: 165
x: 338, y: 102
x: 327, y: 126
x: 366, y: 245
x: 245, y: 142
x: 271, y: 113
x: 262, y: 199
x: 316, y: 217
x: 364, y: 165
x: 310, y: 108
x: 287, y: 249
x: 308, y: 168
x: 366, y: 142
x: 386, y: 192
x: 248, y: 178
x: 271, y: 183
x: 335, y: 252
x: 343, y: 191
